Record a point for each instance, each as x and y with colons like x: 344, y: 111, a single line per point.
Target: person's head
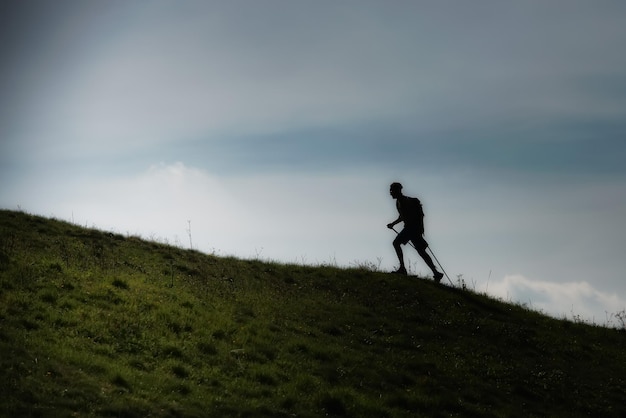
x: 395, y: 190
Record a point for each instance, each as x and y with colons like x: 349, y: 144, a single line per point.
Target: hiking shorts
x: 413, y: 234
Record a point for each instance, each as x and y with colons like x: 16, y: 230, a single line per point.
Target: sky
x: 272, y: 129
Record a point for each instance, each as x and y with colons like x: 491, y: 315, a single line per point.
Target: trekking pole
x: 433, y: 254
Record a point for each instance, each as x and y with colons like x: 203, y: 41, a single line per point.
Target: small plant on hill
x: 368, y: 265
x: 621, y: 318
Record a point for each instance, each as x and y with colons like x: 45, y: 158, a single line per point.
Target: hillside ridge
x: 98, y: 324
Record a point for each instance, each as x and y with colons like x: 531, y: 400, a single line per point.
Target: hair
x: 396, y: 186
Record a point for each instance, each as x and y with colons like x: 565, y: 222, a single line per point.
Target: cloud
x: 562, y: 300
x: 155, y: 202
x: 317, y: 217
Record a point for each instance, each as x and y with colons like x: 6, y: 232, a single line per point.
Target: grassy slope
x: 97, y: 324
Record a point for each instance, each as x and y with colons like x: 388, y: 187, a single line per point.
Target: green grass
x: 94, y: 324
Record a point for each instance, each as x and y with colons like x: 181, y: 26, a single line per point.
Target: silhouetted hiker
x: 410, y: 211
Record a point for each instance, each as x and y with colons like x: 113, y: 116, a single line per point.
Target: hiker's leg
x: 420, y: 246
x: 422, y: 252
x: 397, y: 245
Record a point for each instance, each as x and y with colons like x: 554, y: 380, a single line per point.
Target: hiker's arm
x: 397, y: 221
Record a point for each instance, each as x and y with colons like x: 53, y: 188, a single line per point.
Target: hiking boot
x: 438, y: 276
x: 401, y: 271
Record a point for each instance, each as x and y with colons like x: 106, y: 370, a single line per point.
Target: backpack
x: 414, y: 209
x: 412, y: 212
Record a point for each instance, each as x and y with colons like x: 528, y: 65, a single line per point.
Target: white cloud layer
x: 300, y: 217
x: 572, y: 300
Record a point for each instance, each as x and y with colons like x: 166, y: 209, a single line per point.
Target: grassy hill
x: 98, y: 324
